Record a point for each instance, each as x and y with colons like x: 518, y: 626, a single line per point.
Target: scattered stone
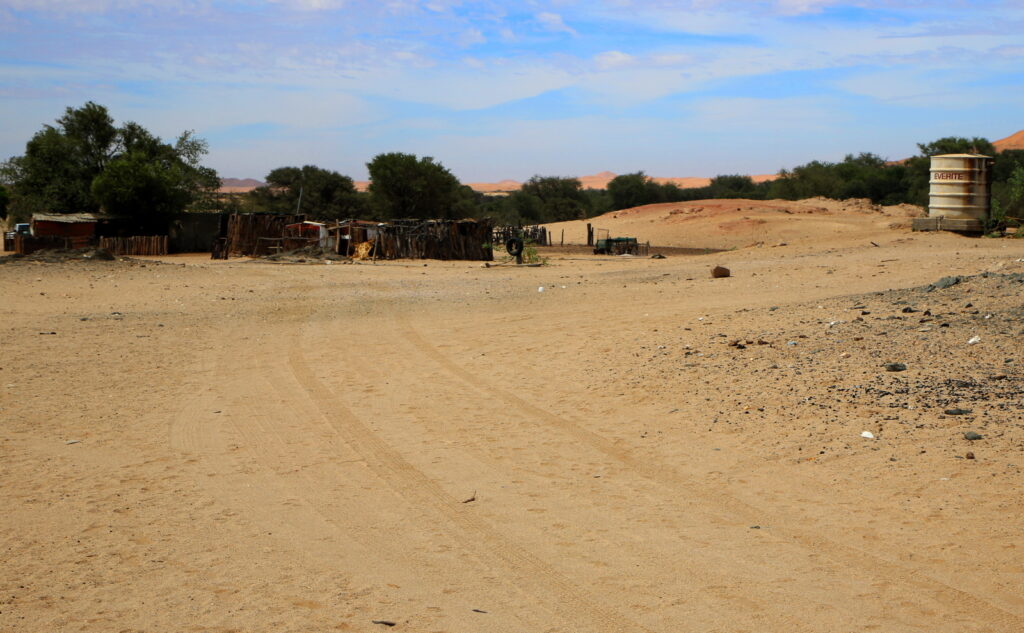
x: 384, y: 622
x: 969, y: 455
x: 908, y: 310
x: 73, y: 442
x: 657, y: 256
x: 972, y: 436
x: 868, y: 434
x: 957, y: 411
x: 720, y: 271
x: 755, y: 527
x: 974, y: 340
x: 895, y: 367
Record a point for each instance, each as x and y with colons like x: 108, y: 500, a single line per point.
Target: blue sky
x: 496, y: 89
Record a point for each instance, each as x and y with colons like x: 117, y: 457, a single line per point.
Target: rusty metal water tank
x: 959, y: 187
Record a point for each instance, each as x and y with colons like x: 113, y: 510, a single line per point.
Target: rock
x: 720, y: 271
x: 969, y: 455
x: 972, y: 436
x: 895, y: 367
x: 957, y: 411
x: 657, y: 256
x: 868, y: 435
x: 945, y: 282
x: 974, y: 340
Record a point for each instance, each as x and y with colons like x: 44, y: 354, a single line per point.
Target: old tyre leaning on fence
x: 514, y: 247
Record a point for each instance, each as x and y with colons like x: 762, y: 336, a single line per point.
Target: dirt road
x: 202, y: 446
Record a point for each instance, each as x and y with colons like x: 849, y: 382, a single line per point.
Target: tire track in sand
x: 721, y: 504
x: 556, y: 593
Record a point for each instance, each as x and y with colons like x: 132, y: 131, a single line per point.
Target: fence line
x: 135, y: 245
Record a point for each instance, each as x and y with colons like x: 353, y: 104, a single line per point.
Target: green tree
x: 318, y: 192
x: 957, y: 145
x: 4, y: 200
x: 152, y: 181
x: 1008, y: 200
x: 551, y: 199
x: 85, y: 162
x: 733, y: 186
x: 404, y: 186
x: 134, y: 181
x: 630, y: 190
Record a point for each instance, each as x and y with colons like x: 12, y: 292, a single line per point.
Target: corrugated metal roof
x: 71, y: 218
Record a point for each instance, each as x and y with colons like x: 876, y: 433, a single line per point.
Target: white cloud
x: 312, y: 5
x: 471, y: 37
x: 801, y: 7
x: 613, y: 59
x: 553, y: 22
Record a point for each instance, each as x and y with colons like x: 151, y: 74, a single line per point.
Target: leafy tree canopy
x: 957, y: 145
x: 318, y: 192
x: 632, y: 190
x: 404, y: 186
x: 85, y: 163
x: 551, y: 199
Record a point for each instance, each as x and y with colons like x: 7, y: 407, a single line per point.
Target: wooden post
x: 590, y: 234
x: 563, y: 238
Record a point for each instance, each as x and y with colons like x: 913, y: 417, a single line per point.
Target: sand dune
x: 1014, y: 141
x: 727, y: 224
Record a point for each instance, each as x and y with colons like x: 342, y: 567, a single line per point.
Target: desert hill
x: 238, y: 185
x: 1014, y: 141
x: 594, y: 181
x: 738, y: 223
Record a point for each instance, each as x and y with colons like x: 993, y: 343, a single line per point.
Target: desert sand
x: 195, y: 445
x: 736, y: 223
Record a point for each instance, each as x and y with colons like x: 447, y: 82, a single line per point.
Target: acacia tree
x: 320, y: 192
x: 630, y: 190
x: 85, y: 162
x: 404, y: 186
x: 551, y: 199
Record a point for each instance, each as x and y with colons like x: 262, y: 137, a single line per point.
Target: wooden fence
x: 435, y: 239
x: 244, y: 231
x: 537, y: 234
x: 28, y: 244
x: 135, y: 245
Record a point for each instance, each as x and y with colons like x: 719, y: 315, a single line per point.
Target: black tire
x: 514, y: 247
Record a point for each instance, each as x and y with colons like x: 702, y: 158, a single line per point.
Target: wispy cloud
x: 348, y: 77
x: 554, y: 22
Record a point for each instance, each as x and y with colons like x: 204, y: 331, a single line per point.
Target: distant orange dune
x: 595, y: 181
x: 1015, y: 141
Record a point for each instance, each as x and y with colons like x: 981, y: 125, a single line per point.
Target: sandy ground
x: 739, y: 223
x: 189, y: 445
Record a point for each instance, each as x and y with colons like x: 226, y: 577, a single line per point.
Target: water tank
x: 959, y: 187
